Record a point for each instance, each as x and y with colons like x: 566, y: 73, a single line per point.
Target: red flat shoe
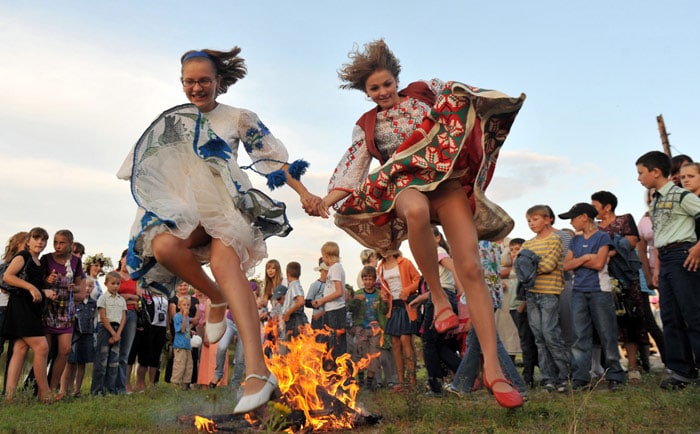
x: 511, y: 399
x: 448, y: 323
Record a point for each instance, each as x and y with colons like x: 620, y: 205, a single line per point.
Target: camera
x: 161, y: 316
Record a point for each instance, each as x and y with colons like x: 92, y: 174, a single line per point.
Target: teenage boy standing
x: 675, y: 212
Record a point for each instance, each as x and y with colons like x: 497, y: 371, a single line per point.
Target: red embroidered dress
x: 458, y: 138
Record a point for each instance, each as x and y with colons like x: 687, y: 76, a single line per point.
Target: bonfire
x: 318, y: 393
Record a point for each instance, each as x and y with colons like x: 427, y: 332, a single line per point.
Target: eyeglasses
x: 202, y: 82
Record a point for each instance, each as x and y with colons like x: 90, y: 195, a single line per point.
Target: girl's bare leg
x: 409, y: 355
x: 152, y: 375
x: 174, y: 254
x: 413, y: 207
x: 59, y: 365
x: 454, y: 212
x: 40, y: 346
x: 226, y: 267
x: 398, y: 358
x: 14, y: 369
x: 79, y: 376
x: 68, y: 379
x: 140, y: 378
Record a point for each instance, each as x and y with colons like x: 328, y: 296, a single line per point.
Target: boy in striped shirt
x: 543, y: 300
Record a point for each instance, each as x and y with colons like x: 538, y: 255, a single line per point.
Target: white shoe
x: 251, y: 402
x: 634, y: 376
x: 215, y: 330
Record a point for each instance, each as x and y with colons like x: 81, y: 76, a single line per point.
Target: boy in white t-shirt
x: 292, y: 314
x: 333, y: 300
x: 111, y: 308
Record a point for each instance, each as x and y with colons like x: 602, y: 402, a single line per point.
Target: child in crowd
x: 275, y: 325
x: 268, y: 309
x: 386, y: 375
x: 400, y: 279
x: 22, y: 324
x: 592, y: 299
x: 16, y: 243
x: 543, y: 300
x: 690, y: 178
x: 182, y: 349
x: 112, y: 311
x: 333, y: 300
x: 518, y: 312
x: 82, y: 349
x: 367, y: 257
x: 368, y: 333
x: 65, y: 274
x: 439, y: 350
x: 293, y: 316
x: 471, y: 363
x: 675, y: 214
x: 315, y: 292
x: 273, y: 278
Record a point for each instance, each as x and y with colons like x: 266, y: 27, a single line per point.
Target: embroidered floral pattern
x: 460, y: 138
x: 254, y: 137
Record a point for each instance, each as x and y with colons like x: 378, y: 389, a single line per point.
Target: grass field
x: 637, y: 408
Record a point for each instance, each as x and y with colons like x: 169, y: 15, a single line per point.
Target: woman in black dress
x: 23, y: 316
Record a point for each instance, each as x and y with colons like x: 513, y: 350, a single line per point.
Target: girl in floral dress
x: 66, y: 274
x: 437, y: 143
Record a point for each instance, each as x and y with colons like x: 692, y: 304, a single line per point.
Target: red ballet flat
x: 511, y: 399
x: 446, y: 324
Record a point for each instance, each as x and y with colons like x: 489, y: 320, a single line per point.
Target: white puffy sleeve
x: 266, y: 151
x: 354, y: 166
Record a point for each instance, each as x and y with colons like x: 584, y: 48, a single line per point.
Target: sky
x: 80, y: 81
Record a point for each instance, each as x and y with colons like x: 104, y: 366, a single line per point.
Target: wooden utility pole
x: 664, y: 135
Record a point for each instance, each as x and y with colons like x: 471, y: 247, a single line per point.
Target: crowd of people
x: 570, y: 296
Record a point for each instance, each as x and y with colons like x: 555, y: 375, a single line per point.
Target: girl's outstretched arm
x: 331, y: 198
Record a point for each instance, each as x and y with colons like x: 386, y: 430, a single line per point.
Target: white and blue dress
x: 184, y: 174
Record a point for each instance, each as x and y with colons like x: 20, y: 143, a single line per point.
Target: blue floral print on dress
x: 254, y: 136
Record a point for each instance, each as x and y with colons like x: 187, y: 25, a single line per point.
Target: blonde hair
x: 113, y: 275
x: 365, y: 256
x: 331, y: 249
x: 540, y: 210
x: 16, y: 243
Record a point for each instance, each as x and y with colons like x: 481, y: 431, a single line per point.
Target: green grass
x: 637, y: 408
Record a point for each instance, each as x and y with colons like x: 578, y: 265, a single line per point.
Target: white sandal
x: 251, y: 402
x: 215, y: 330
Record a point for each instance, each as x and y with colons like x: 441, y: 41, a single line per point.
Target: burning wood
x: 313, y: 382
x: 204, y: 424
x: 318, y: 392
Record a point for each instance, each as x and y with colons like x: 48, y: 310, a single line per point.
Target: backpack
x: 624, y: 266
x: 525, y: 265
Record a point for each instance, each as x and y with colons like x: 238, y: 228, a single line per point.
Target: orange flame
x: 327, y: 397
x: 204, y: 424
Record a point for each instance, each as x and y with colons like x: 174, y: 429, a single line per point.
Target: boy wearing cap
x: 592, y: 299
x: 316, y: 292
x: 675, y: 213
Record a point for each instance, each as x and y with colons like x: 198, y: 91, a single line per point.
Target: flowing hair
x: 227, y: 65
x: 376, y: 56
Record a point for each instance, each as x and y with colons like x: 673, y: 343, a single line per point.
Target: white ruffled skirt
x: 184, y: 176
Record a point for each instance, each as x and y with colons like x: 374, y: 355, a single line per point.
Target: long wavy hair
x: 272, y: 283
x: 376, y: 56
x: 16, y: 243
